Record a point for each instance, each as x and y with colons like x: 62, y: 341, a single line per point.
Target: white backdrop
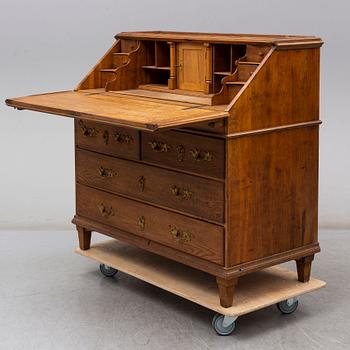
x: 50, y: 45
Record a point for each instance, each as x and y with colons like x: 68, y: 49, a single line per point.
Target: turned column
x: 208, y: 68
x: 226, y: 290
x: 304, y: 268
x: 172, y: 78
x: 84, y: 236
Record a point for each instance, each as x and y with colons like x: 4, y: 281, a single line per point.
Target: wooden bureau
x: 202, y: 148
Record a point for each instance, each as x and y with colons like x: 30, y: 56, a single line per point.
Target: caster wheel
x: 220, y: 327
x: 288, y: 306
x: 107, y: 270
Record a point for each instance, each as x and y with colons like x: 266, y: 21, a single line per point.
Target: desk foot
x: 84, y: 236
x: 226, y: 290
x: 304, y: 268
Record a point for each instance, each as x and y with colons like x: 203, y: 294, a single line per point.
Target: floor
x: 51, y: 298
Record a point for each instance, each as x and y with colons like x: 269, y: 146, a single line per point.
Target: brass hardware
x: 174, y: 232
x: 175, y: 191
x: 122, y: 138
x: 142, y: 222
x: 106, y: 137
x: 185, y: 236
x: 180, y: 153
x: 141, y: 182
x: 185, y: 193
x: 91, y: 132
x: 158, y: 146
x: 180, y: 236
x: 104, y: 211
x: 201, y: 155
x: 103, y: 172
x: 178, y: 65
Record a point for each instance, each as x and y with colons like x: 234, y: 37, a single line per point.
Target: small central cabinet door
x: 191, y: 66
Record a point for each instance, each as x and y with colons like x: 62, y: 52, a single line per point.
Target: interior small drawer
x: 217, y: 126
x: 180, y: 232
x: 197, y: 154
x: 108, y: 139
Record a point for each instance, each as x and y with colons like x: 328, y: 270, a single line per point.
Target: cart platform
x: 255, y: 291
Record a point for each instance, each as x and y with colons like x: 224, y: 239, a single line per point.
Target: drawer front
x: 198, y: 196
x: 113, y: 140
x: 197, y: 154
x: 189, y: 235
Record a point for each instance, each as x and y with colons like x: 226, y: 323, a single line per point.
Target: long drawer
x: 186, y: 234
x: 193, y: 153
x: 108, y: 139
x: 198, y: 196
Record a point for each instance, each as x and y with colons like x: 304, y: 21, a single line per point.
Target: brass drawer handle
x: 158, y: 146
x: 122, y: 138
x: 141, y: 222
x: 184, y: 193
x: 141, y: 182
x: 106, y: 173
x: 199, y: 155
x: 104, y: 211
x: 181, y: 236
x: 89, y: 132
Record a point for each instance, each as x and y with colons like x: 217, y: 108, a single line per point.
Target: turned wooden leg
x: 84, y: 238
x: 226, y: 290
x: 304, y: 268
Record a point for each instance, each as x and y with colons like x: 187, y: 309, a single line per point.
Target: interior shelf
x: 222, y: 73
x: 156, y: 67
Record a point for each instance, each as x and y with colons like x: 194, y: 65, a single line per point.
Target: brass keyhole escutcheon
x: 106, y: 137
x: 180, y: 153
x: 141, y: 182
x: 142, y: 222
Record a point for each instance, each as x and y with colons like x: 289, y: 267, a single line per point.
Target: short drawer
x: 186, y: 234
x: 113, y: 140
x: 194, y: 195
x: 198, y: 154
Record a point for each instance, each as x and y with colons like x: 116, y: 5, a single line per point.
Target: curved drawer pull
x: 104, y: 211
x: 181, y: 236
x: 185, y: 193
x: 141, y: 222
x: 105, y: 173
x: 90, y: 132
x: 158, y: 146
x: 199, y: 155
x: 122, y: 138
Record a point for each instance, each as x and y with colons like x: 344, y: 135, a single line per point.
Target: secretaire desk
x: 202, y: 148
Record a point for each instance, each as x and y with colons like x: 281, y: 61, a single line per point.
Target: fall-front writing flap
x: 118, y: 109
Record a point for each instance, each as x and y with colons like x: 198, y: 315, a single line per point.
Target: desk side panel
x: 285, y: 91
x: 272, y: 193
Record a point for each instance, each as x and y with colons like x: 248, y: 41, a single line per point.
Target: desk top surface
x: 118, y: 109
